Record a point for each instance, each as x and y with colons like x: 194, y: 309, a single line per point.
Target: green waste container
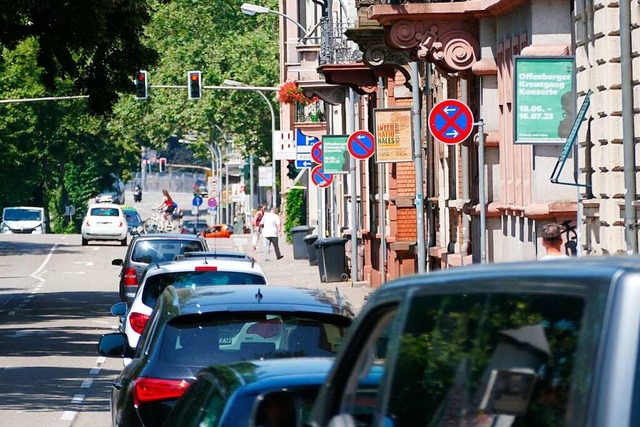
x: 309, y: 240
x: 331, y: 259
x: 298, y: 234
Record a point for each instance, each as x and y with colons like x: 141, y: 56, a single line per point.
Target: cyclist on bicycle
x: 167, y: 206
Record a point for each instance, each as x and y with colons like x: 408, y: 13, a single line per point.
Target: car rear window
x: 154, y: 285
x: 483, y: 357
x: 105, y: 212
x: 231, y: 337
x: 149, y: 251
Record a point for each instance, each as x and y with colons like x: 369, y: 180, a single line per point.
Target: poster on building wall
x: 393, y: 131
x: 544, y: 99
x: 335, y: 155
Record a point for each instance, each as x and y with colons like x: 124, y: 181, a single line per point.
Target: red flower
x: 291, y: 93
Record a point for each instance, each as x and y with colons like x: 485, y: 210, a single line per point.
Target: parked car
x: 192, y: 328
x: 255, y: 393
x: 148, y: 248
x: 186, y: 273
x: 546, y: 343
x: 193, y: 226
x: 111, y: 196
x: 134, y: 221
x: 104, y: 222
x: 218, y: 231
x: 23, y: 220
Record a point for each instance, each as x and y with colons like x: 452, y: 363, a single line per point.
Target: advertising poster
x: 335, y: 155
x: 544, y: 99
x: 392, y: 129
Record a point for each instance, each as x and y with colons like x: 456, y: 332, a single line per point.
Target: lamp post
x: 252, y: 9
x: 235, y: 83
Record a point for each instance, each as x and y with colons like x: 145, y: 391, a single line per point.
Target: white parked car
x: 104, y: 221
x: 186, y: 273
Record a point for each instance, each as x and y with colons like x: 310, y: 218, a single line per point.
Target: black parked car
x: 147, y: 248
x: 196, y: 327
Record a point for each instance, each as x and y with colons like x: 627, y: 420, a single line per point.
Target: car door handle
x: 117, y: 386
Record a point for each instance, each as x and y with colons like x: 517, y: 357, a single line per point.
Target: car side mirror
x: 114, y: 345
x: 117, y: 261
x: 119, y: 309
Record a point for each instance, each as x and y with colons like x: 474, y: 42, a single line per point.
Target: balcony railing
x: 335, y: 48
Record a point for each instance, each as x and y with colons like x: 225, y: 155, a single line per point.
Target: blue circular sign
x: 197, y: 201
x: 361, y: 144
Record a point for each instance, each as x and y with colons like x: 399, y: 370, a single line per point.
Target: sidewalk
x: 297, y: 272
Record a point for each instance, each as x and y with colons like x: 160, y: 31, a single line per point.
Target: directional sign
x: 361, y: 144
x: 319, y: 178
x: 212, y: 202
x: 450, y: 121
x: 303, y: 149
x: 316, y: 152
x: 197, y: 201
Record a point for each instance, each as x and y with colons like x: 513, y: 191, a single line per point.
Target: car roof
x: 519, y: 274
x: 167, y: 236
x: 240, y: 256
x: 254, y: 297
x: 105, y: 205
x: 185, y: 264
x: 128, y: 208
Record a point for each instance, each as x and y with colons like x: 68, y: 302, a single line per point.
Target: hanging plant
x: 290, y: 93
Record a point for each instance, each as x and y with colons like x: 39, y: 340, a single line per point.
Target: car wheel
x: 85, y: 242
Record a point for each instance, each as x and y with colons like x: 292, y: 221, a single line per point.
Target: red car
x: 218, y: 230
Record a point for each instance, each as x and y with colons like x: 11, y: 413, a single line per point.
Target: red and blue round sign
x: 361, y: 144
x: 319, y: 178
x: 316, y: 152
x: 450, y: 121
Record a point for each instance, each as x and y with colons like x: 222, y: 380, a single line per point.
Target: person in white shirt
x: 552, y: 242
x: 271, y: 230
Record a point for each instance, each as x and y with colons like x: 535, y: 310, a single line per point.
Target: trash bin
x: 299, y: 246
x: 309, y: 240
x: 331, y: 259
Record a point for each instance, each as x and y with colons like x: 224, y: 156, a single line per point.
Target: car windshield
x: 132, y: 217
x: 157, y: 250
x: 154, y: 285
x: 215, y: 338
x: 105, y: 212
x: 22, y: 214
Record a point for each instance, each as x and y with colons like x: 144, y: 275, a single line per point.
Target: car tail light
x: 266, y: 329
x: 206, y: 268
x: 138, y: 321
x: 151, y: 389
x: 130, y: 277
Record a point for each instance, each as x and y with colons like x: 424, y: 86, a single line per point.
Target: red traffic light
x: 142, y: 89
x: 194, y: 83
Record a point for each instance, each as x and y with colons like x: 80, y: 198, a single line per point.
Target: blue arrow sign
x: 303, y: 149
x: 197, y: 201
x: 304, y: 164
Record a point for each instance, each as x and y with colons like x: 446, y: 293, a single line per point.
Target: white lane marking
x: 87, y: 263
x: 100, y: 360
x: 46, y: 260
x: 77, y: 398
x: 74, y: 272
x: 95, y: 248
x: 86, y: 383
x: 94, y: 371
x: 68, y: 415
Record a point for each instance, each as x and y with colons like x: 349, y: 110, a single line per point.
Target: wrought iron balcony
x: 335, y: 48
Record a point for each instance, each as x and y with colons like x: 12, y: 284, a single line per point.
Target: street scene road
x: 54, y: 305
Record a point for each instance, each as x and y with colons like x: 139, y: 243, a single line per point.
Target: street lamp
x: 252, y: 9
x: 235, y: 83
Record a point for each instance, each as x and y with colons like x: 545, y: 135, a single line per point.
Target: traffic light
x: 162, y: 164
x: 194, y: 84
x: 142, y: 87
x: 292, y: 170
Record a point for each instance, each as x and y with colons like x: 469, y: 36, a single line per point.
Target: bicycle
x: 157, y: 223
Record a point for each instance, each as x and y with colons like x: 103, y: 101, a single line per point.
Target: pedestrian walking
x: 271, y: 230
x: 552, y: 242
x: 256, y: 225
